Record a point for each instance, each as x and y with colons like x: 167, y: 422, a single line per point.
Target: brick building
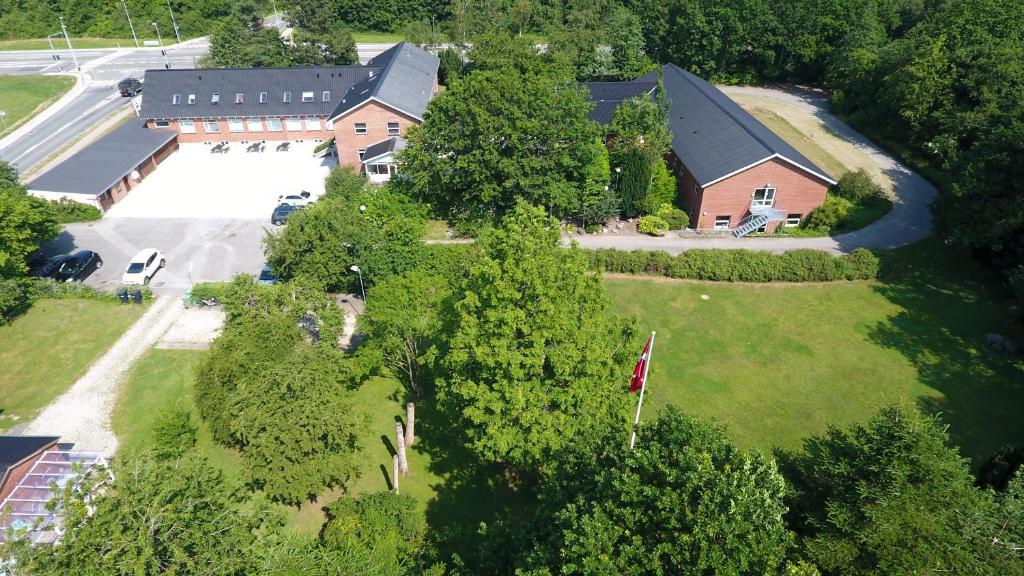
x: 358, y: 106
x: 734, y: 174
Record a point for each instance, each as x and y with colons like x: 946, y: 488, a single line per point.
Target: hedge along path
x: 82, y: 414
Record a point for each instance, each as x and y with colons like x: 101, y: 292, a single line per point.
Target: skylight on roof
x: 215, y: 99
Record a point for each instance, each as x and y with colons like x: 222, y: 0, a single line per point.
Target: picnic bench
x: 283, y: 146
x: 220, y: 148
x: 255, y: 147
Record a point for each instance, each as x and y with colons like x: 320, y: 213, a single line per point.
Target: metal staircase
x: 759, y: 216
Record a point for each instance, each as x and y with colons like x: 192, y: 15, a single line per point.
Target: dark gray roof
x: 383, y: 147
x: 714, y: 137
x: 101, y: 164
x: 406, y: 82
x: 15, y: 449
x: 162, y: 85
x: 608, y: 95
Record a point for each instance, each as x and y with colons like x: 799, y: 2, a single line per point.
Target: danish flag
x: 639, y: 379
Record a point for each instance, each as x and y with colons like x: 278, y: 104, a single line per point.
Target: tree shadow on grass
x: 471, y: 493
x: 949, y: 306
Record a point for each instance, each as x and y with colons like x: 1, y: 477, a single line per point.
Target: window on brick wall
x: 393, y: 129
x: 186, y: 126
x: 211, y: 127
x: 255, y: 125
x: 236, y: 125
x: 293, y: 124
x: 722, y: 222
x: 161, y: 124
x: 312, y: 123
x: 360, y: 127
x: 361, y: 152
x: 764, y: 197
x: 273, y: 124
x: 793, y: 220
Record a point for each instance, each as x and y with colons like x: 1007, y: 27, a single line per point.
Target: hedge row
x: 18, y: 294
x: 739, y: 265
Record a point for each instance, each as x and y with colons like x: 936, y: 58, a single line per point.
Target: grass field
x: 59, y: 44
x: 52, y: 345
x: 23, y: 96
x: 776, y: 363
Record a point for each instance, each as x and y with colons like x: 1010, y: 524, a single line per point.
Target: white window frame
x: 397, y: 129
x: 215, y: 98
x: 361, y: 153
x: 293, y: 124
x: 359, y: 128
x: 308, y: 96
x: 722, y: 222
x: 768, y: 199
x: 236, y: 125
x: 313, y: 123
x: 176, y: 100
x: 161, y: 124
x: 191, y: 99
x: 239, y: 98
x: 263, y: 98
x: 254, y: 124
x: 286, y: 97
x: 186, y: 126
x: 793, y: 220
x: 325, y: 96
x: 274, y: 125
x: 208, y: 123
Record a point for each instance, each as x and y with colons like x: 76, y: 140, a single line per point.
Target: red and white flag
x: 637, y: 382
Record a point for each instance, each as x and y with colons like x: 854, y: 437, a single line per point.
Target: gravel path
x: 908, y: 222
x: 82, y: 414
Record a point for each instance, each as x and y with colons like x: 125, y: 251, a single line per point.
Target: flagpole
x: 643, y: 388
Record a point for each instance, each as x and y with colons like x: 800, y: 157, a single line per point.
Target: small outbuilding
x: 105, y: 171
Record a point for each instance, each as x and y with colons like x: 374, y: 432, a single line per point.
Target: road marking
x: 64, y: 127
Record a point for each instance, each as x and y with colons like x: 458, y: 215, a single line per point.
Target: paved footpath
x: 82, y: 415
x: 908, y: 222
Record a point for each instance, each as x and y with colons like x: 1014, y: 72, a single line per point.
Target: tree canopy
x: 25, y: 223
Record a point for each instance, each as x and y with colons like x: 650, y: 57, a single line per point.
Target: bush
x: 856, y: 186
x: 676, y: 218
x: 831, y: 212
x: 323, y: 145
x: 739, y: 265
x: 173, y: 433
x: 652, y: 225
x: 69, y: 211
x: 662, y: 190
x: 207, y: 290
x: 15, y: 299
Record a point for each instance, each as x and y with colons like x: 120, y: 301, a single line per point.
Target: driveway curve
x: 909, y: 220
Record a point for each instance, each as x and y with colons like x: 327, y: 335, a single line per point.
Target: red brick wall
x: 148, y: 166
x: 226, y: 135
x: 796, y: 192
x: 376, y: 117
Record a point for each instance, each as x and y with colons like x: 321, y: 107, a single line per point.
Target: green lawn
x: 78, y: 43
x: 52, y: 345
x: 377, y: 37
x: 23, y: 96
x: 799, y: 140
x: 776, y: 363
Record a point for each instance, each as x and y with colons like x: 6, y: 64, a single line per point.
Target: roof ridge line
x: 387, y: 68
x: 727, y: 112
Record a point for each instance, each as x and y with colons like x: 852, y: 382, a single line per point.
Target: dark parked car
x: 79, y: 266
x: 281, y: 214
x: 129, y: 87
x: 266, y: 276
x: 47, y: 267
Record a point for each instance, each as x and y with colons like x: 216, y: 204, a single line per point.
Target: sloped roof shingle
x: 405, y: 83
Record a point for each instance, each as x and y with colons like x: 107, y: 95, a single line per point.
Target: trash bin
x: 186, y: 300
x: 136, y: 296
x: 122, y: 294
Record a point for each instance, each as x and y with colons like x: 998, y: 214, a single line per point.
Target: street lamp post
x: 362, y: 289
x: 130, y: 25
x: 3, y: 119
x: 159, y: 39
x: 174, y: 22
x: 618, y: 172
x: 56, y: 57
x: 67, y: 38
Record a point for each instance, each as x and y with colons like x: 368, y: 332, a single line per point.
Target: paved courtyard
x: 193, y: 183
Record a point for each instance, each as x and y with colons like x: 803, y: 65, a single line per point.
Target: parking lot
x: 208, y: 214
x: 194, y: 183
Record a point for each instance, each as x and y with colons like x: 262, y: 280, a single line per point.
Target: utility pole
x: 67, y: 38
x: 134, y: 37
x: 56, y: 57
x: 174, y: 22
x: 159, y: 39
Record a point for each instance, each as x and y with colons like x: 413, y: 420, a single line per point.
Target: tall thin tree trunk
x: 400, y: 442
x: 394, y: 473
x: 410, y: 423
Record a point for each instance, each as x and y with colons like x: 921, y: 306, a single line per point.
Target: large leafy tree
x: 893, y: 497
x: 685, y: 501
x: 513, y: 128
x: 536, y: 355
x: 25, y: 222
x: 156, y: 516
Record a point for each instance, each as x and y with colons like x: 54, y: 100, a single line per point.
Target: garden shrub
x: 174, y: 434
x: 676, y: 218
x: 15, y: 299
x: 207, y: 290
x: 323, y: 145
x: 69, y: 211
x: 652, y: 225
x: 831, y: 212
x: 855, y: 186
x: 662, y: 190
x: 739, y: 265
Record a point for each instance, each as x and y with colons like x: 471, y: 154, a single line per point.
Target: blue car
x: 281, y: 214
x: 266, y: 276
